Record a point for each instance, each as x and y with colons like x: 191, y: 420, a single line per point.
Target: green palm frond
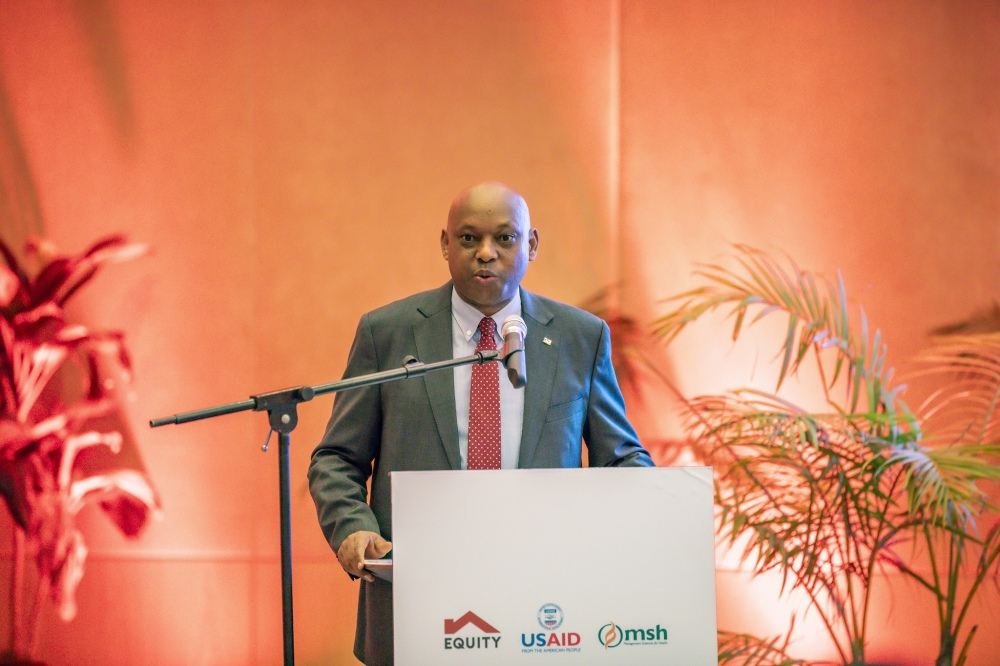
x: 942, y: 484
x: 966, y: 407
x: 801, y: 485
x: 818, y: 320
x: 961, y: 423
x: 748, y: 650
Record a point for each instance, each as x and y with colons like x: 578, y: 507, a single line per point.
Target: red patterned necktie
x: 484, y: 405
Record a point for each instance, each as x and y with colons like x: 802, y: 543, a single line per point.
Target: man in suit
x: 471, y: 417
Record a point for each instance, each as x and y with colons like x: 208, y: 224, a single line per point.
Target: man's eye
x: 466, y: 238
x: 506, y: 238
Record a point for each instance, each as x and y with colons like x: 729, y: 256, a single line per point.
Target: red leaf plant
x: 58, y: 381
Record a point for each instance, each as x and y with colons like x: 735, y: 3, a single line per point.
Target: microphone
x: 514, y: 331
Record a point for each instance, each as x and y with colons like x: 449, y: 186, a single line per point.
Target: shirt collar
x: 468, y: 317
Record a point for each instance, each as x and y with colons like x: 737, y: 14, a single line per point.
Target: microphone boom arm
x: 267, y: 401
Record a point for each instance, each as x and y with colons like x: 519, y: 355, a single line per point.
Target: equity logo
x: 612, y: 635
x: 473, y: 642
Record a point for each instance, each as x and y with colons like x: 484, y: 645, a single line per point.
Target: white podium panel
x: 574, y: 566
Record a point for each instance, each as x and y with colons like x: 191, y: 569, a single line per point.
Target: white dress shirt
x: 464, y: 339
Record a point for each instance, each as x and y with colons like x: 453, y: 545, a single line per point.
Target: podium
x: 560, y: 566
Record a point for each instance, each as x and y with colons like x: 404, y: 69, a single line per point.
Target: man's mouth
x: 485, y: 277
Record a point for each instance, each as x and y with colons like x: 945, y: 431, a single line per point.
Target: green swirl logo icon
x: 609, y: 635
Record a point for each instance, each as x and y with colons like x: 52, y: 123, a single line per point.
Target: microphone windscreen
x: 513, y: 322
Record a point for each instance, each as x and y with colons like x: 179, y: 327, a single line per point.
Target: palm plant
x: 821, y: 498
x: 44, y: 427
x: 747, y: 650
x: 963, y: 413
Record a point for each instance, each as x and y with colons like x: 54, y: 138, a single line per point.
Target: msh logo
x: 473, y: 642
x: 550, y: 617
x: 612, y: 635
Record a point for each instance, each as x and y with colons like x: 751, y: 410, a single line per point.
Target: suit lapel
x: 433, y: 338
x: 541, y: 359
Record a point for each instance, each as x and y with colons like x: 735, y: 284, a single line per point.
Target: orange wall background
x: 863, y: 136
x: 291, y: 163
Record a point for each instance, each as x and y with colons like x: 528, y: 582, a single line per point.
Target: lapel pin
x: 546, y: 341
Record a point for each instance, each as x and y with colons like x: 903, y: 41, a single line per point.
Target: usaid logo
x: 550, y: 617
x: 472, y: 639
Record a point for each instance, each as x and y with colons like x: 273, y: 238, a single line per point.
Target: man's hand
x: 357, y: 548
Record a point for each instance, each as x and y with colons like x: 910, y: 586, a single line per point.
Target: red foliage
x: 42, y: 432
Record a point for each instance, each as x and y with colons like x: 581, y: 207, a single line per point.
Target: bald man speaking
x: 471, y: 417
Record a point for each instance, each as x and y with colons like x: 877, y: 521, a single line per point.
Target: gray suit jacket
x: 571, y: 394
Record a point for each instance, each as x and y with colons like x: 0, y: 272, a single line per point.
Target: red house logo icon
x: 452, y: 626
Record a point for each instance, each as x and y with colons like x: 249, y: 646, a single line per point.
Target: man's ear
x: 532, y: 244
x: 444, y: 244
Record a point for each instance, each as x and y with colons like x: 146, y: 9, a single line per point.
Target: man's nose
x: 486, y: 252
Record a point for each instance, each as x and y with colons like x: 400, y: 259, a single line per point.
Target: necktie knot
x: 486, y: 339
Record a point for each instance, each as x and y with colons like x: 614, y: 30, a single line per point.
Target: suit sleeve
x: 611, y: 440
x: 342, y: 462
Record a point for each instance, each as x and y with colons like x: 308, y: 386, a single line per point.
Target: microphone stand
x: 283, y: 417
